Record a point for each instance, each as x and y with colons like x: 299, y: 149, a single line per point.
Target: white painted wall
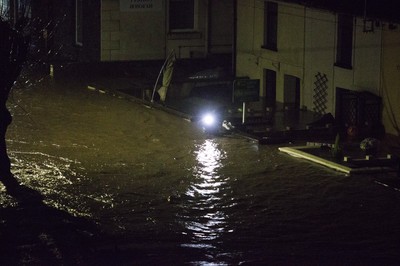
x: 319, y: 54
x: 367, y: 58
x: 142, y: 33
x: 306, y: 46
x: 221, y: 32
x: 390, y: 85
x: 137, y: 34
x: 252, y: 59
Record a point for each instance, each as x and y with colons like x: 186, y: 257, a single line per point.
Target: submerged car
x: 207, y: 98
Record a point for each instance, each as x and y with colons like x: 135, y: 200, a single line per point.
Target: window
x: 15, y: 11
x: 78, y: 22
x: 182, y: 15
x: 4, y: 9
x: 344, y: 46
x: 270, y: 25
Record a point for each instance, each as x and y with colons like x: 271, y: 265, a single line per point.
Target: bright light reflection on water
x: 205, y: 220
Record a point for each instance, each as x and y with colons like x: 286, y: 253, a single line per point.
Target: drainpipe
x: 207, y: 28
x: 304, y: 57
x: 381, y: 65
x: 334, y: 99
x: 365, y: 10
x: 166, y: 27
x: 234, y: 35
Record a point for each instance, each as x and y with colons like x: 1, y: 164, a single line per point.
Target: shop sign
x: 140, y: 5
x: 246, y: 90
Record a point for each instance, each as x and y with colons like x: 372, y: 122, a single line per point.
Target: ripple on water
x: 202, y: 211
x: 52, y: 176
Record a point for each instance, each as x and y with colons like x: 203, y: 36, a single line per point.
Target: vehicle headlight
x: 209, y: 120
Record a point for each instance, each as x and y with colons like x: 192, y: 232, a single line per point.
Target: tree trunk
x: 5, y: 167
x: 13, y: 52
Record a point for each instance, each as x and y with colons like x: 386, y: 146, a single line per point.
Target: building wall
x: 247, y: 57
x: 191, y: 44
x: 390, y: 86
x: 131, y: 35
x: 253, y: 59
x: 319, y: 54
x: 367, y: 58
x: 221, y: 30
x: 54, y: 35
x: 306, y: 49
x: 143, y: 34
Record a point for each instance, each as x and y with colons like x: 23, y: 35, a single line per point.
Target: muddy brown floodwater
x: 158, y: 191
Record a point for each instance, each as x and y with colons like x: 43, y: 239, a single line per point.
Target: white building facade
x: 150, y: 29
x: 308, y: 58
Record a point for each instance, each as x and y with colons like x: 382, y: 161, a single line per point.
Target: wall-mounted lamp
x: 368, y: 25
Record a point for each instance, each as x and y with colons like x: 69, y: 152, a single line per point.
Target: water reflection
x: 204, y: 215
x: 54, y: 178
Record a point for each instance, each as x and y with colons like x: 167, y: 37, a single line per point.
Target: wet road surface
x: 109, y: 181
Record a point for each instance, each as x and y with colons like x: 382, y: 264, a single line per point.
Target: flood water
x: 161, y: 192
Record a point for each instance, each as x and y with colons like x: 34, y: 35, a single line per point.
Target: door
x: 291, y: 94
x: 270, y: 88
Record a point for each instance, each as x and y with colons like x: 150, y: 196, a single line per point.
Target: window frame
x: 195, y: 18
x: 79, y: 22
x: 270, y: 26
x: 344, y: 41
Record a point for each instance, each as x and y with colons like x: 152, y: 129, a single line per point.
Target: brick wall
x: 110, y: 30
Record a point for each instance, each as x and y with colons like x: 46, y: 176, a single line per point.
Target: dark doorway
x: 359, y: 109
x: 291, y: 93
x: 270, y: 87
